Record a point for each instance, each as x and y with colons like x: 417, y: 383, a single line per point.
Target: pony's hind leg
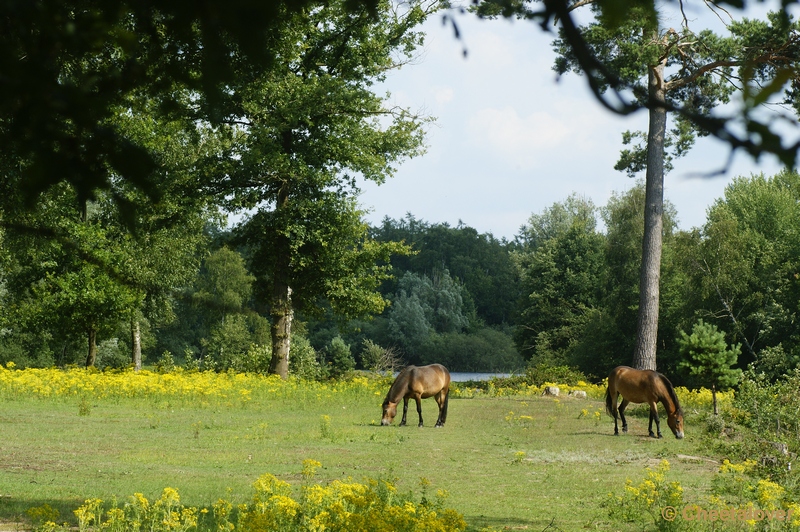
x: 419, y: 409
x: 612, y: 402
x: 621, y: 409
x: 405, y: 411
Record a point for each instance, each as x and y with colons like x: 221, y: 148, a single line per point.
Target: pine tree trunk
x: 714, y: 399
x: 136, y: 343
x: 644, y: 356
x: 91, y: 357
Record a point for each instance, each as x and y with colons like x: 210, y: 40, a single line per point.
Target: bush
x: 111, y: 356
x: 774, y: 362
x: 485, y: 350
x: 539, y: 374
x: 377, y: 358
x: 304, y: 360
x: 255, y: 360
x: 166, y: 363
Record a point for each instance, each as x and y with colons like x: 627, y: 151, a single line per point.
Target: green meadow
x: 515, y: 461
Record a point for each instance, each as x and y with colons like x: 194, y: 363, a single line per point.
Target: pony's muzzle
x: 679, y: 435
x: 385, y: 422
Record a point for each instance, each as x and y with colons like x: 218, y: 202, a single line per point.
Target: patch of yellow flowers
x: 344, y: 506
x: 644, y: 502
x: 205, y: 387
x: 241, y: 388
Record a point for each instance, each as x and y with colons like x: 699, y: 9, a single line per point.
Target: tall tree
x: 308, y: 127
x: 668, y: 68
x: 561, y: 267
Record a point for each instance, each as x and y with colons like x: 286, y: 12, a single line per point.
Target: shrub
x: 377, y: 358
x: 255, y: 360
x: 643, y: 503
x: 486, y: 350
x: 110, y: 355
x: 539, y: 374
x: 304, y: 360
x: 166, y: 363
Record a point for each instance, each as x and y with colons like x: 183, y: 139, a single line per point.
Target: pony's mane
x: 672, y: 394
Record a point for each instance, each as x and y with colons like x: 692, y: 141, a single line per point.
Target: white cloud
x: 443, y: 95
x: 521, y: 140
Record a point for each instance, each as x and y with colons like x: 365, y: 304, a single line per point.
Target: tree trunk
x: 281, y: 310
x: 714, y: 399
x: 136, y: 343
x: 282, y: 315
x: 644, y: 355
x: 91, y: 358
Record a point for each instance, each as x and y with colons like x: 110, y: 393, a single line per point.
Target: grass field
x: 516, y: 462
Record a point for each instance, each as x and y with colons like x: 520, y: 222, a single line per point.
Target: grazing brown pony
x: 643, y: 386
x: 419, y: 383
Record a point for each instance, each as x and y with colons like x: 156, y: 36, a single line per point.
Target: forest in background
x: 562, y: 293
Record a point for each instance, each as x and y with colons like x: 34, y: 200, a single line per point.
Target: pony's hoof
x: 625, y: 430
x: 652, y: 435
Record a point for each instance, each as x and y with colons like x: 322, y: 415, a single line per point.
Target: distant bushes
x: 485, y: 350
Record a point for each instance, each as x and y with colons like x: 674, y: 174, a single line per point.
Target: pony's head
x: 389, y: 411
x: 674, y: 411
x: 675, y: 422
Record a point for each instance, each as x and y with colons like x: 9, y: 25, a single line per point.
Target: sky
x: 510, y: 139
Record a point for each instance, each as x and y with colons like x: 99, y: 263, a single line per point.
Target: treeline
x: 564, y: 292
x: 739, y: 274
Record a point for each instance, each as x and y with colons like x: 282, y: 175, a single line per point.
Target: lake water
x: 462, y: 377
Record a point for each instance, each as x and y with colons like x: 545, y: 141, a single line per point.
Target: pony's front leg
x: 419, y: 409
x: 654, y: 416
x: 405, y: 411
x: 622, y: 408
x: 442, y: 402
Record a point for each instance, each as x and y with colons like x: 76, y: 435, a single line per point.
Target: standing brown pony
x: 419, y: 383
x: 643, y: 386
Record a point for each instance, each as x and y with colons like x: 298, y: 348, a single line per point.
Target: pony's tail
x: 609, y: 404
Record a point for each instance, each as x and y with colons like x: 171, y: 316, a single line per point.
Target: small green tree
x: 340, y: 358
x: 706, y: 357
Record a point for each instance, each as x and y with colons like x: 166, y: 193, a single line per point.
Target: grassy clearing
x: 505, y: 461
